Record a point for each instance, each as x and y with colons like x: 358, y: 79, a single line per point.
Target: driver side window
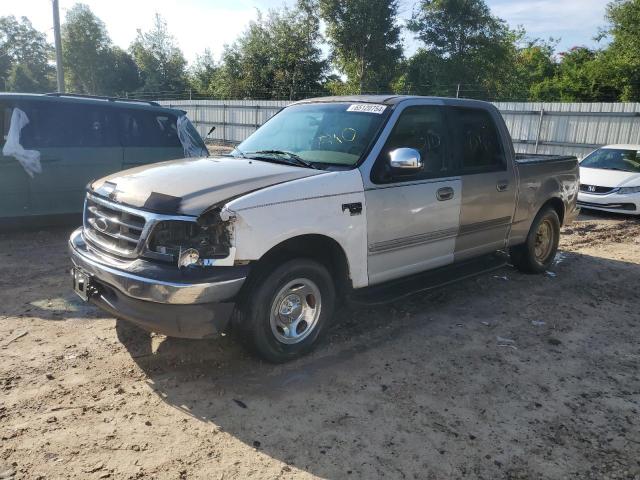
x: 423, y: 128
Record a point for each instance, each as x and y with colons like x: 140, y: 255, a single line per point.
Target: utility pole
x: 58, y: 41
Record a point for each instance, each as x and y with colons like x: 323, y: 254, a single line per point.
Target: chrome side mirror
x: 407, y: 159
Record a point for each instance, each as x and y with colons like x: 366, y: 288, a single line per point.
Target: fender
x: 331, y: 205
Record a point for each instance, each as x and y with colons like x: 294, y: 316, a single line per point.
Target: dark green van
x: 78, y: 139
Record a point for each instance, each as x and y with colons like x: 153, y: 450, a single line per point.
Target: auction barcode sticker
x: 366, y: 108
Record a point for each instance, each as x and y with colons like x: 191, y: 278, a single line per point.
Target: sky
x: 200, y: 24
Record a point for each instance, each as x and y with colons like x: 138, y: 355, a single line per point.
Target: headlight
x: 627, y: 190
x: 189, y: 243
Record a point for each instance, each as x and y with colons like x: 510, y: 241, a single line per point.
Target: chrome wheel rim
x: 544, y: 241
x: 295, y: 311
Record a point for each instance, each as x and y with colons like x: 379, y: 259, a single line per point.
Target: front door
x: 148, y: 137
x: 488, y: 183
x: 412, y: 219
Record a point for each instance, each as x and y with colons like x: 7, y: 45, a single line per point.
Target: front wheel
x: 537, y: 253
x: 284, y: 312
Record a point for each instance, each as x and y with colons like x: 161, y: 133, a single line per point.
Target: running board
x: 429, y: 280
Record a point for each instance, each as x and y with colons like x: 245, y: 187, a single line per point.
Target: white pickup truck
x: 366, y: 197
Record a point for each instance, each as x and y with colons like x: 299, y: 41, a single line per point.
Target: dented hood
x: 191, y: 186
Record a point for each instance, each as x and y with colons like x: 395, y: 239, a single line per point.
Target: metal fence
x: 554, y: 128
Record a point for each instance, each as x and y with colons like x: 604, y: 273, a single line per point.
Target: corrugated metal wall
x: 570, y: 128
x: 554, y: 128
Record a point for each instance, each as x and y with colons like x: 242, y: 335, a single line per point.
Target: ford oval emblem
x: 101, y: 224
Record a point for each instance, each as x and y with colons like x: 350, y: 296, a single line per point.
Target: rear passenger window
x: 5, y: 121
x: 139, y: 128
x: 423, y: 128
x: 478, y: 142
x: 58, y: 125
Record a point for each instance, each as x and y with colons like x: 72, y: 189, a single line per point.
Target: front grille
x: 112, y: 228
x: 596, y: 189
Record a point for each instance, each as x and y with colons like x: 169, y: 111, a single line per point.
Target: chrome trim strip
x: 412, y: 241
x: 148, y: 289
x: 485, y: 225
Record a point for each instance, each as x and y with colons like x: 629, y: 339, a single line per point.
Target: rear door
x: 14, y: 181
x: 78, y: 143
x: 412, y: 220
x: 148, y: 136
x: 488, y: 182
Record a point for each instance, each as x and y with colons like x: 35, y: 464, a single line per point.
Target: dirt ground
x: 502, y: 376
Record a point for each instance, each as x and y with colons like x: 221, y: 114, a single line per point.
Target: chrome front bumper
x: 187, y: 303
x: 146, y: 281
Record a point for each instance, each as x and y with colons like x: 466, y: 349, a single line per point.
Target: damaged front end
x: 206, y: 242
x: 155, y: 270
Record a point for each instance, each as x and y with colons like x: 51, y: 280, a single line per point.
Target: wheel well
x: 320, y: 248
x: 558, y: 205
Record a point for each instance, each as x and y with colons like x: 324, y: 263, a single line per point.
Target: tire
x: 537, y: 253
x: 286, y: 309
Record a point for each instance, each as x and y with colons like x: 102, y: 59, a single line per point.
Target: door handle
x: 502, y: 185
x: 444, y: 194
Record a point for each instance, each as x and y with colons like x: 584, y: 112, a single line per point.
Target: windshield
x: 613, y: 159
x: 324, y: 133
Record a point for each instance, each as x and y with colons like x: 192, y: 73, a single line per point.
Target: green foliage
x: 276, y: 57
x: 24, y: 57
x: 162, y: 65
x: 202, y: 75
x: 464, y: 49
x: 92, y: 64
x: 620, y: 62
x: 463, y: 44
x: 577, y: 78
x: 364, y: 37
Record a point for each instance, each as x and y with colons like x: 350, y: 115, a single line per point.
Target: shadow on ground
x: 502, y: 376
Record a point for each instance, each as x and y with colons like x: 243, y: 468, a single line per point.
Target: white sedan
x: 610, y: 179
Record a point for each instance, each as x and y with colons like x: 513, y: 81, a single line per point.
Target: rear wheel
x: 537, y: 253
x: 285, y: 310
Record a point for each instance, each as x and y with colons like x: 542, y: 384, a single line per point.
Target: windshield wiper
x: 296, y: 158
x: 230, y: 154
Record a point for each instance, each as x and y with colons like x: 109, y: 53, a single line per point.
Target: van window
x: 423, y: 128
x: 139, y: 128
x: 58, y: 124
x: 479, y: 146
x: 5, y: 121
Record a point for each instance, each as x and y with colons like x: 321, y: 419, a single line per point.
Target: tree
x: 92, y: 64
x: 161, y: 63
x: 365, y: 41
x: 276, y: 57
x: 203, y: 74
x: 620, y: 62
x: 579, y: 77
x: 123, y: 76
x: 24, y: 57
x: 464, y: 48
x: 85, y: 48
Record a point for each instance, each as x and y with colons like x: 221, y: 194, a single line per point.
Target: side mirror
x: 405, y: 159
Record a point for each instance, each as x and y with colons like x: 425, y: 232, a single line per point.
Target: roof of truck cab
x: 90, y: 100
x: 391, y: 99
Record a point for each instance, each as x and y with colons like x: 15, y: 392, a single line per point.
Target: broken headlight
x: 190, y: 243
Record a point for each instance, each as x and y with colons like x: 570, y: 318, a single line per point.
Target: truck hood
x: 608, y: 178
x: 191, y: 186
